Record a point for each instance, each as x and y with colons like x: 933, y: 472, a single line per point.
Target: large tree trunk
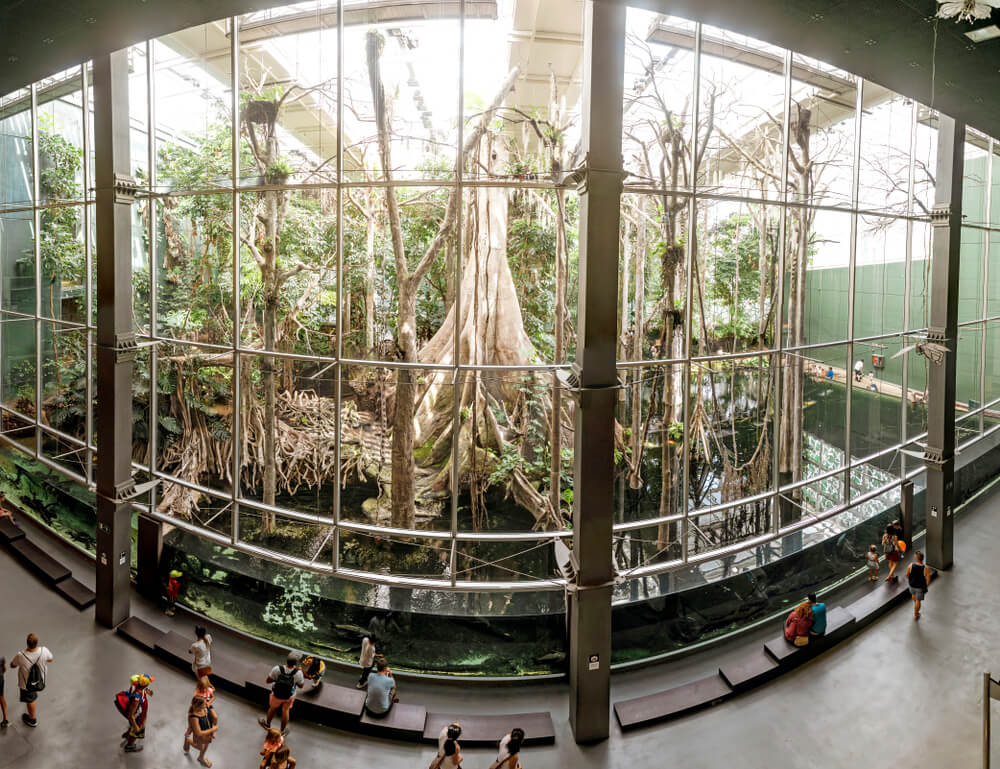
x: 370, y: 272
x: 638, y: 321
x: 555, y: 444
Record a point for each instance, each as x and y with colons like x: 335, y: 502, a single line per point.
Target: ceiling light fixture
x: 983, y: 34
x: 966, y: 10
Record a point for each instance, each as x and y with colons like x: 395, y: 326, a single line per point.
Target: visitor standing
x: 381, y: 691
x: 32, y: 665
x: 202, y: 651
x: 918, y: 576
x: 890, y: 547
x: 366, y: 660
x: 173, y: 590
x: 509, y: 750
x: 285, y: 681
x: 829, y: 373
x: 871, y: 560
x: 4, y: 723
x: 134, y: 705
x: 859, y: 371
x: 204, y: 724
x: 451, y: 732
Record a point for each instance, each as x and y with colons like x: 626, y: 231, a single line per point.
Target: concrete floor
x: 914, y: 686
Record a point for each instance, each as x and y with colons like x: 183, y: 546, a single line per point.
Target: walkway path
x: 917, y: 685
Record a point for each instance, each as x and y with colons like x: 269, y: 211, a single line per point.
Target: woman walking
x: 890, y: 547
x: 204, y: 723
x: 202, y: 651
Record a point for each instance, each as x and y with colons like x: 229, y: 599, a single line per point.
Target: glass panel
x: 648, y: 546
x: 920, y: 275
x: 875, y: 397
x: 825, y: 99
x: 659, y: 83
x: 974, y: 181
x: 741, y: 116
x: 376, y: 287
x: 992, y: 364
x: 505, y: 561
x: 288, y: 92
x: 519, y: 275
x: 194, y: 417
x: 885, y: 150
x: 823, y: 260
x: 16, y: 163
x: 968, y: 367
x: 970, y: 275
x: 730, y: 435
x: 17, y: 268
x: 193, y: 98
x: 412, y: 93
x: 400, y: 556
x: 138, y: 113
x: 653, y: 277
x: 824, y: 408
x: 60, y: 138
x: 925, y: 161
x: 70, y: 456
x: 194, y: 269
x: 64, y: 379
x: 734, y: 271
x: 285, y: 536
x: 62, y: 264
x: 716, y: 530
x: 18, y: 363
x: 879, y: 276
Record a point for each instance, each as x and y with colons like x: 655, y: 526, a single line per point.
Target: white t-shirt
x: 24, y: 660
x: 202, y: 651
x: 503, y: 755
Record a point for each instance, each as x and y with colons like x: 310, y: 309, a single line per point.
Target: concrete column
x: 115, y: 336
x: 939, y: 456
x: 589, y: 605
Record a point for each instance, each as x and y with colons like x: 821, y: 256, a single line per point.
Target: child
x: 871, y: 559
x: 272, y: 744
x: 283, y: 759
x: 313, y: 668
x: 173, y: 589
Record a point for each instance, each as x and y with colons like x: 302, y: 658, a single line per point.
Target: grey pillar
x: 939, y: 457
x: 115, y: 337
x: 589, y: 606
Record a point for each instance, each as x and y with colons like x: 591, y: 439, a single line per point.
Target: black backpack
x: 284, y: 684
x: 36, y: 681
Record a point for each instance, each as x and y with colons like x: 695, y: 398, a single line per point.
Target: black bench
x: 881, y: 599
x: 228, y: 675
x: 76, y: 593
x: 839, y: 624
x: 753, y: 668
x: 487, y: 730
x: 173, y: 647
x: 653, y: 708
x: 330, y: 704
x: 40, y: 562
x: 10, y: 531
x: 140, y: 632
x: 403, y: 722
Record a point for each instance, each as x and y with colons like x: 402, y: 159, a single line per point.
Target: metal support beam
x: 115, y: 336
x: 939, y: 457
x: 589, y: 605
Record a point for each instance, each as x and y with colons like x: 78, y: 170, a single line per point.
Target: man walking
x: 918, y: 576
x: 32, y: 667
x: 285, y: 681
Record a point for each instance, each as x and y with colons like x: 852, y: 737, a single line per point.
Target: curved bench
x: 757, y: 665
x: 334, y: 705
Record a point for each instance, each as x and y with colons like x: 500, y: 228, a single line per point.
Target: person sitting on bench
x: 381, y: 691
x: 818, y: 614
x: 798, y: 623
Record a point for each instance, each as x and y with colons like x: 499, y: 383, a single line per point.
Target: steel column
x: 115, y: 336
x: 589, y: 605
x: 939, y: 457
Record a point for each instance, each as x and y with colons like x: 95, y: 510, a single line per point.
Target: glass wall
x: 355, y: 260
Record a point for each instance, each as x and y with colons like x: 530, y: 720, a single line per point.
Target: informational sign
x: 595, y: 662
x: 933, y: 511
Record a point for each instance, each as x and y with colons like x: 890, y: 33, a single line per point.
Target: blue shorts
x: 917, y: 593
